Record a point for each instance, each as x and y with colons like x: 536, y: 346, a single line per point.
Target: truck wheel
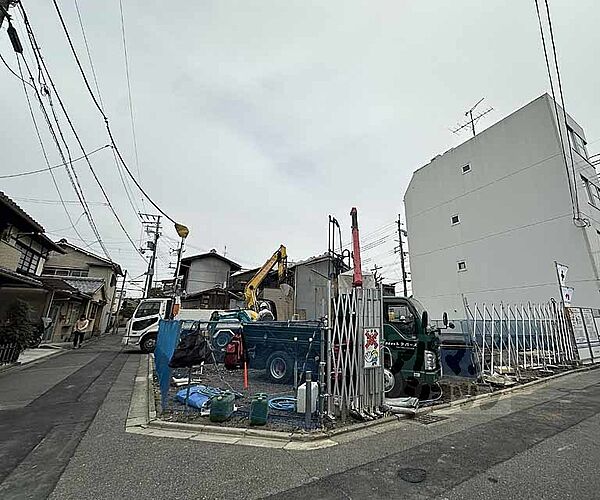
x: 280, y: 367
x: 393, y: 384
x: 148, y: 344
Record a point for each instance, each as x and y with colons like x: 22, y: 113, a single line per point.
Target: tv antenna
x: 470, y: 123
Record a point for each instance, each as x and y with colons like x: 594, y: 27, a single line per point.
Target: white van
x: 142, y: 328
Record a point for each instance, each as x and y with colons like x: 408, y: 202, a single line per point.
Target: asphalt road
x: 62, y: 435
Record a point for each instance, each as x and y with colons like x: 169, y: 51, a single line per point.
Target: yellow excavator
x: 251, y: 289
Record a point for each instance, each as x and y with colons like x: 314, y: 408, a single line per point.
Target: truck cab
x: 411, y: 351
x: 142, y: 328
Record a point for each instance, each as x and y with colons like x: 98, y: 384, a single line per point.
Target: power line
x: 39, y: 136
x: 71, y: 172
x: 573, y: 186
x: 44, y: 201
x: 95, y: 77
x: 13, y: 72
x: 127, y: 75
x: 106, y: 123
x: 562, y: 101
x: 40, y: 170
x: 74, y: 131
x: 87, y: 48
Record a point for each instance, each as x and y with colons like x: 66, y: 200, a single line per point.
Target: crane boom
x: 279, y: 258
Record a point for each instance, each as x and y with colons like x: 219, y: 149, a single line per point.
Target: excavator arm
x: 279, y: 258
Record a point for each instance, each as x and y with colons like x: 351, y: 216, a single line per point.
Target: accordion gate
x: 351, y: 385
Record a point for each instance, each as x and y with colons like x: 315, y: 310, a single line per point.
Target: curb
x: 16, y: 366
x: 501, y: 392
x: 142, y: 418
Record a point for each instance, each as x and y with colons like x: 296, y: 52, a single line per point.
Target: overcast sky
x: 257, y: 119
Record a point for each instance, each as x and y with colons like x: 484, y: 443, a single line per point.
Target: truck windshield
x: 418, y: 306
x: 148, y: 308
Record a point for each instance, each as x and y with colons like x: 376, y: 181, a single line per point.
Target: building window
x: 593, y: 192
x: 462, y: 265
x: 54, y: 271
x: 466, y: 168
x: 455, y: 220
x: 578, y: 143
x: 29, y: 260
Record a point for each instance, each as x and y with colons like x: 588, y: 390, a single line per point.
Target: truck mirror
x: 445, y: 320
x: 424, y: 320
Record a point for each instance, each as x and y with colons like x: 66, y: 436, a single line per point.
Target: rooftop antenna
x: 470, y: 123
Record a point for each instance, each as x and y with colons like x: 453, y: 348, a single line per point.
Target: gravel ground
x: 447, y: 390
x: 233, y: 380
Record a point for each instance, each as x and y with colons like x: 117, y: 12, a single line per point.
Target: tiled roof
x: 88, y: 286
x: 30, y: 222
x: 206, y: 255
x: 6, y: 201
x: 19, y: 278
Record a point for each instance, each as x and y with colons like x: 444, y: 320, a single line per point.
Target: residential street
x: 62, y: 435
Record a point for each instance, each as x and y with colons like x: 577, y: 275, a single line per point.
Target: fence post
x: 308, y: 400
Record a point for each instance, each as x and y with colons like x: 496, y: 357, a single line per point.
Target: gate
x: 354, y: 350
x: 512, y: 339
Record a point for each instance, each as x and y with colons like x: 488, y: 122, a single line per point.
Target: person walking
x: 79, y: 331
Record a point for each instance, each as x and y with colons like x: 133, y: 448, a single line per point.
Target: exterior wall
x: 109, y: 276
x: 310, y: 294
x: 10, y: 252
x: 74, y: 259
x: 9, y: 256
x: 206, y: 273
x: 515, y: 220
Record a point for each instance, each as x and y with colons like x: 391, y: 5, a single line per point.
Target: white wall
x: 206, y: 273
x: 515, y: 220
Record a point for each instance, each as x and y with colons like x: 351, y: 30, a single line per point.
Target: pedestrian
x: 79, y: 331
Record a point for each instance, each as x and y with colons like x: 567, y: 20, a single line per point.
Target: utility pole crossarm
x: 401, y: 233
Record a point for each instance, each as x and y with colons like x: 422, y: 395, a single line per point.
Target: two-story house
x: 91, y: 275
x: 24, y: 248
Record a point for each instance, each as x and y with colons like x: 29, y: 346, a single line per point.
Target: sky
x: 255, y: 120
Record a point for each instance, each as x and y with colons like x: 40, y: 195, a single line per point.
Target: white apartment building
x: 488, y: 219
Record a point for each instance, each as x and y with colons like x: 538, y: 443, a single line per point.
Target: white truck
x: 142, y: 328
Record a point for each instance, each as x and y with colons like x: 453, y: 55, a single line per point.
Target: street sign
x: 567, y: 294
x: 372, y: 341
x: 561, y: 271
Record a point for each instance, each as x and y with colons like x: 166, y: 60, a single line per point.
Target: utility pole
x: 402, y: 232
x: 116, y: 320
x: 151, y: 224
x: 183, y: 232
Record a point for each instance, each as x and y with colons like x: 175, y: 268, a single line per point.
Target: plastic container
x: 314, y: 397
x: 221, y: 407
x: 259, y: 409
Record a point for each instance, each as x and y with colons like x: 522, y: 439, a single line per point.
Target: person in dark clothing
x: 79, y: 331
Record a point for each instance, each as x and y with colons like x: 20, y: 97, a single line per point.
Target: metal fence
x: 9, y: 353
x: 352, y: 385
x: 512, y: 339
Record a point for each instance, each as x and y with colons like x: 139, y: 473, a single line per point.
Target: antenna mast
x: 470, y: 123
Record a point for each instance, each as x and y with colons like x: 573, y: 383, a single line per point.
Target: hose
x: 430, y: 401
x: 283, y: 403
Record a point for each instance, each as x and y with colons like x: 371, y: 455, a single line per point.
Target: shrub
x: 18, y: 328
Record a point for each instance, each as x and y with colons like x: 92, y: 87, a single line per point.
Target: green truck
x: 411, y: 348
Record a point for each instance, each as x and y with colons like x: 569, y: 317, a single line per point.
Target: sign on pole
x: 372, y: 342
x: 567, y: 294
x: 561, y: 271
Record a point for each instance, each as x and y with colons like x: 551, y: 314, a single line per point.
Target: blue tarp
x: 168, y: 338
x: 200, y: 395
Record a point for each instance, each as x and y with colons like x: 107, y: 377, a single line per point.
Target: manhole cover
x: 412, y: 475
x: 428, y: 418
